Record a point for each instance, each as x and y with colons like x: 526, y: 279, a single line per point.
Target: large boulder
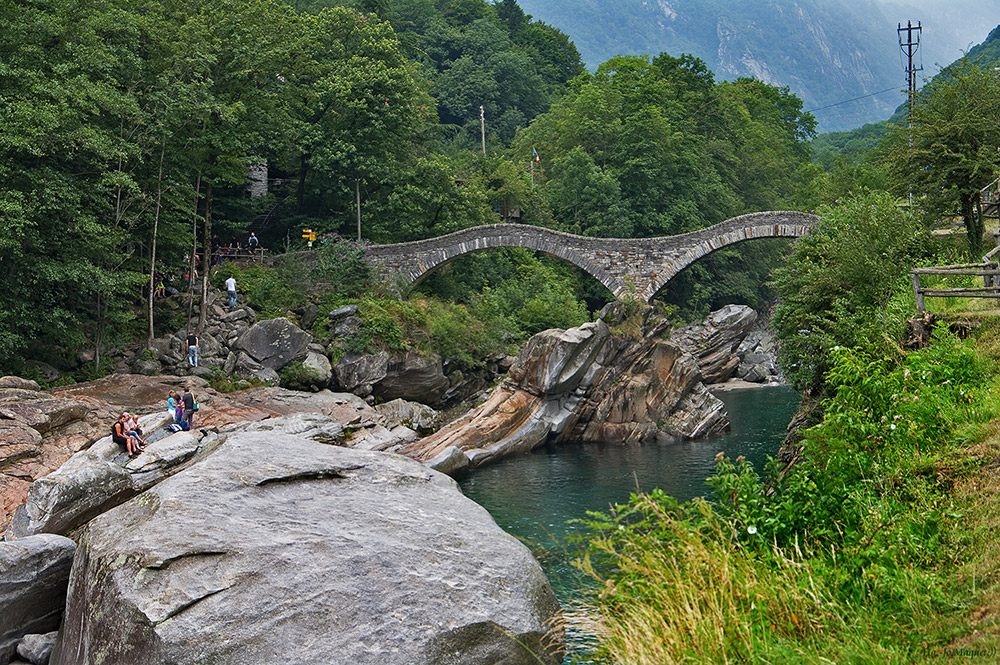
x: 319, y: 365
x: 33, y: 576
x: 358, y: 372
x: 413, y: 376
x: 94, y: 480
x: 716, y: 340
x: 279, y: 549
x: 275, y: 342
x: 617, y: 379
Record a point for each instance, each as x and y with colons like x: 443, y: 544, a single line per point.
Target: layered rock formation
x: 33, y: 582
x: 235, y: 343
x: 280, y: 549
x: 73, y: 419
x: 617, y: 379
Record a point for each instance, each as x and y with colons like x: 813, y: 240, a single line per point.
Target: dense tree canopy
x: 651, y: 147
x: 129, y: 129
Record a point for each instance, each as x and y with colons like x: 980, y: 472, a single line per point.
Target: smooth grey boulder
x: 36, y: 648
x: 414, y: 377
x: 450, y: 462
x: 358, y: 372
x: 414, y: 415
x: 99, y: 478
x: 316, y: 426
x: 276, y: 549
x: 341, y: 312
x: 274, y: 343
x: 320, y: 365
x: 246, y: 367
x: 85, y: 486
x: 146, y: 367
x: 33, y: 576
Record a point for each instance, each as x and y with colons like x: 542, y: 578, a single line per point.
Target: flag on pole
x: 534, y: 153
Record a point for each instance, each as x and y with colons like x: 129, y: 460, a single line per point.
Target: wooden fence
x: 989, y: 270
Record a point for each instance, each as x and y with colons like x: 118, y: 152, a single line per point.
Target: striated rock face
x: 617, y: 379
x: 715, y: 342
x: 280, y: 549
x: 33, y: 576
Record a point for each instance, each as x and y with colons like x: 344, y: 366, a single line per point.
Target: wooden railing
x: 258, y: 255
x: 989, y: 270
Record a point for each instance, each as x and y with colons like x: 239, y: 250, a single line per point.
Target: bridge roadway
x: 641, y: 266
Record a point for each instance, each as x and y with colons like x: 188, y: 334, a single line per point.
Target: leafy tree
x: 950, y: 152
x: 837, y: 286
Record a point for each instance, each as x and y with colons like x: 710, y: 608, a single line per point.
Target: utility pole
x: 910, y: 48
x: 482, y: 128
x: 357, y: 198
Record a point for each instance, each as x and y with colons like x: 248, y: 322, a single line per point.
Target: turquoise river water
x: 534, y: 496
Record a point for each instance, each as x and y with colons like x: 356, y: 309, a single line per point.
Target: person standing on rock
x: 173, y: 401
x: 192, y: 341
x: 231, y: 288
x: 187, y: 399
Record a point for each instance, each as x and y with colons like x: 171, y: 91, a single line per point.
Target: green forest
x: 129, y: 130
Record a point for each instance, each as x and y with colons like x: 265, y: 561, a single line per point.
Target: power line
x: 847, y: 101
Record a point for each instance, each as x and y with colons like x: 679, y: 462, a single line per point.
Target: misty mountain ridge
x: 841, y: 57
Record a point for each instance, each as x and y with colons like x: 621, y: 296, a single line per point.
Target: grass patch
x: 880, y: 546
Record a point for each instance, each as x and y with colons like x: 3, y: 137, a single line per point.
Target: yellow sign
x: 308, y: 234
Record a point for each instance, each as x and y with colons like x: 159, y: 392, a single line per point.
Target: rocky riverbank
x: 175, y: 538
x: 625, y: 377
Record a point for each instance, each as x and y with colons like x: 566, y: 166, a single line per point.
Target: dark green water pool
x: 533, y: 496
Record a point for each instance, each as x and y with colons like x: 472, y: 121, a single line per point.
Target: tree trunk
x: 973, y: 225
x: 205, y: 257
x: 152, y: 246
x: 300, y: 193
x: 98, y: 337
x: 194, y: 249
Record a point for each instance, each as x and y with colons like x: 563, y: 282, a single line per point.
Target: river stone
x: 94, y: 480
x: 413, y: 376
x: 278, y: 549
x: 274, y: 343
x: 358, y: 372
x: 85, y: 486
x: 19, y: 383
x: 412, y: 414
x: 320, y: 365
x: 36, y: 648
x: 33, y: 576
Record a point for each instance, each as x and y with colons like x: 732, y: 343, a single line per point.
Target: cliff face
x: 620, y: 378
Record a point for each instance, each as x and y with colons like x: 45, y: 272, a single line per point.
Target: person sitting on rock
x: 120, y: 436
x: 132, y: 426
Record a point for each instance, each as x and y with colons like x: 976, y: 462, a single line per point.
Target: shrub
x: 298, y: 376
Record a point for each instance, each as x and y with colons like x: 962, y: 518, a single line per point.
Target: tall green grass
x: 850, y: 556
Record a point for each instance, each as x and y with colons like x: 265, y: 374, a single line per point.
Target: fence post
x: 917, y: 293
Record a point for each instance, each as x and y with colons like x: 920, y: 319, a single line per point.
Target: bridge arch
x: 642, y: 266
x: 414, y: 261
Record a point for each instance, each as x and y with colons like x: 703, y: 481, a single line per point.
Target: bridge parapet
x: 641, y: 266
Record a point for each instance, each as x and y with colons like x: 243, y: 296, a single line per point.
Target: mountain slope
x: 826, y: 51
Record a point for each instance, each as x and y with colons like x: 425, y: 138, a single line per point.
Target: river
x: 534, y: 496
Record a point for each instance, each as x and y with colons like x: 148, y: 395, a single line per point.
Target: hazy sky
x: 950, y: 27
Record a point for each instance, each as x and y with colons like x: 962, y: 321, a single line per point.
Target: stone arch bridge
x: 642, y: 266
